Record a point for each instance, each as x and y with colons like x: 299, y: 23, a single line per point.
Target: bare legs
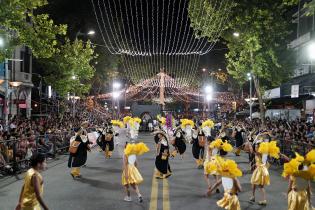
x: 263, y: 191
x: 136, y: 189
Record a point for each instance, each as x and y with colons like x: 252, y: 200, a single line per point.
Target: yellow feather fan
x: 229, y: 168
x: 126, y: 119
x: 216, y: 144
x: 310, y: 157
x: 227, y: 147
x: 161, y: 119
x: 136, y: 149
x: 137, y: 119
x: 269, y: 148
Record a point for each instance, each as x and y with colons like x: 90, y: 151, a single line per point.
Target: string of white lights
x: 108, y: 23
x: 111, y: 49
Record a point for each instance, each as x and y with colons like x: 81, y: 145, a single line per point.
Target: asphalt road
x: 100, y: 187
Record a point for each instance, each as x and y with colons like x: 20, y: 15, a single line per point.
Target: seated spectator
x: 21, y: 148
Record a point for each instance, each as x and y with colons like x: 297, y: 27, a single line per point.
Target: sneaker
x: 127, y: 198
x: 262, y: 203
x: 252, y: 199
x: 140, y: 199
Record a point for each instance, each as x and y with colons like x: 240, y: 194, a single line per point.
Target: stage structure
x: 162, y: 89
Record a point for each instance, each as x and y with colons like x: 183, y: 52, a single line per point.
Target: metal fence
x: 15, y: 153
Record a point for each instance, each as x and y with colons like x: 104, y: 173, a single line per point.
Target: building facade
x: 305, y: 36
x: 20, y: 83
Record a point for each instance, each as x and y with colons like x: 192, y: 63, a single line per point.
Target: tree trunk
x: 257, y: 87
x: 260, y: 100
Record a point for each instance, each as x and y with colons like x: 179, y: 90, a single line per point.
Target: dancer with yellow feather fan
x: 131, y: 175
x: 229, y: 171
x: 300, y: 171
x: 213, y: 160
x: 260, y: 176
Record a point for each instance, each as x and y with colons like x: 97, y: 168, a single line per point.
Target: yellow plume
x: 208, y: 123
x: 310, y: 156
x: 117, y: 123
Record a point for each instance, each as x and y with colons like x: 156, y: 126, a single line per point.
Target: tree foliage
x: 19, y: 26
x: 261, y: 47
x: 70, y: 70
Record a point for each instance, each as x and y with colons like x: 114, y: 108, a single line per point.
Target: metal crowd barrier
x: 17, y: 161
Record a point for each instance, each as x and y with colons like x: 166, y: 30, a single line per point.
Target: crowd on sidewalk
x: 46, y: 135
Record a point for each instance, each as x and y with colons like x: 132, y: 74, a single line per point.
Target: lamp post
x: 40, y: 89
x: 311, y: 52
x: 249, y: 76
x: 116, y: 93
x: 208, y: 95
x: 89, y: 33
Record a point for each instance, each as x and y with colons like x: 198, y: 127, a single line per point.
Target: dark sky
x: 79, y: 16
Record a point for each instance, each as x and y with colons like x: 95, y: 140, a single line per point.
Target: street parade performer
x: 180, y: 136
x: 199, y: 141
x: 300, y: 171
x: 214, y: 149
x: 32, y: 190
x: 107, y: 137
x: 229, y: 171
x: 260, y: 176
x: 162, y: 167
x: 79, y: 146
x: 134, y: 126
x: 131, y: 175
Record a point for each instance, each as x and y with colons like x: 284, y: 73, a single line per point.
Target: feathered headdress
x: 126, y: 119
x: 300, y: 166
x: 136, y: 149
x: 269, y: 148
x: 186, y: 122
x: 117, y: 123
x: 208, y: 123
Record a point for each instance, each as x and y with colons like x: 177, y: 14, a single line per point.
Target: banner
x: 294, y: 91
x: 272, y: 93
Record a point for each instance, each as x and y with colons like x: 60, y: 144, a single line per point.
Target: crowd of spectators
x: 292, y: 136
x: 48, y: 135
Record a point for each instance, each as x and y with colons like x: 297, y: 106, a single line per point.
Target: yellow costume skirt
x: 134, y: 176
x: 260, y: 176
x: 297, y: 200
x: 229, y: 202
x: 36, y: 207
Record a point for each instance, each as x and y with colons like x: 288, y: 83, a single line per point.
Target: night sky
x: 79, y: 16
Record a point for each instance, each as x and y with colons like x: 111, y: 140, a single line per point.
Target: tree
x: 70, y: 70
x: 261, y: 48
x: 106, y: 69
x: 20, y: 26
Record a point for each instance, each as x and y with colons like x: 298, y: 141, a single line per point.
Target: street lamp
x: 208, y: 89
x: 91, y: 32
x: 116, y: 94
x: 116, y: 85
x: 204, y: 70
x: 236, y: 34
x: 311, y: 51
x: 249, y: 76
x: 1, y: 42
